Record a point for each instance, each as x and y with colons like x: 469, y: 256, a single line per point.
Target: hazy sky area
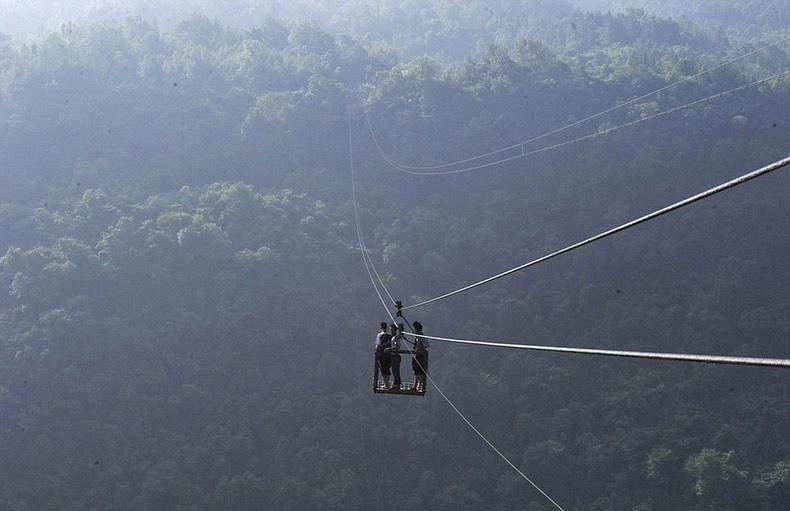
x: 37, y: 16
x: 32, y: 18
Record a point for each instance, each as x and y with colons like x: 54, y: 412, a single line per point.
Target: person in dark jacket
x: 419, y: 361
x: 383, y: 357
x: 396, y: 331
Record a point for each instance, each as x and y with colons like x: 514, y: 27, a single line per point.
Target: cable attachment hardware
x: 398, y: 306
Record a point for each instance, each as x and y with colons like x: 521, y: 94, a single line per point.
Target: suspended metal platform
x: 406, y: 388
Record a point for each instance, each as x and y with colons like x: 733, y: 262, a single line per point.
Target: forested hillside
x: 186, y: 322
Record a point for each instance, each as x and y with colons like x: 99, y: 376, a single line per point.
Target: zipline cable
x: 368, y: 265
x: 483, y: 437
x: 712, y: 191
x: 521, y: 145
x: 365, y: 254
x: 375, y: 271
x: 477, y: 431
x: 601, y: 132
x: 427, y: 171
x: 709, y: 359
x: 362, y: 248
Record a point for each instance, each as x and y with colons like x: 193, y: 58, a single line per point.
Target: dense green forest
x: 186, y: 322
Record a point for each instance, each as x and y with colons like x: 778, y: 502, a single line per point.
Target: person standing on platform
x: 383, y: 357
x: 396, y: 331
x: 419, y: 361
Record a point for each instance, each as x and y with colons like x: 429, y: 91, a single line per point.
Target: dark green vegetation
x: 185, y: 321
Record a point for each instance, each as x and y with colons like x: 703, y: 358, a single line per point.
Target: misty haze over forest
x: 206, y: 209
x: 33, y: 17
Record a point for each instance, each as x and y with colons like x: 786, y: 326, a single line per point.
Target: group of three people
x: 388, y: 350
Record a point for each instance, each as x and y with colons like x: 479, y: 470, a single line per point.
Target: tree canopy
x: 186, y: 322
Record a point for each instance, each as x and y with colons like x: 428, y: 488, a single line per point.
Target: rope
x: 492, y: 446
x: 365, y: 256
x: 729, y: 184
x: 368, y: 265
x: 709, y: 359
x: 520, y: 145
x: 463, y: 417
x: 427, y: 171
